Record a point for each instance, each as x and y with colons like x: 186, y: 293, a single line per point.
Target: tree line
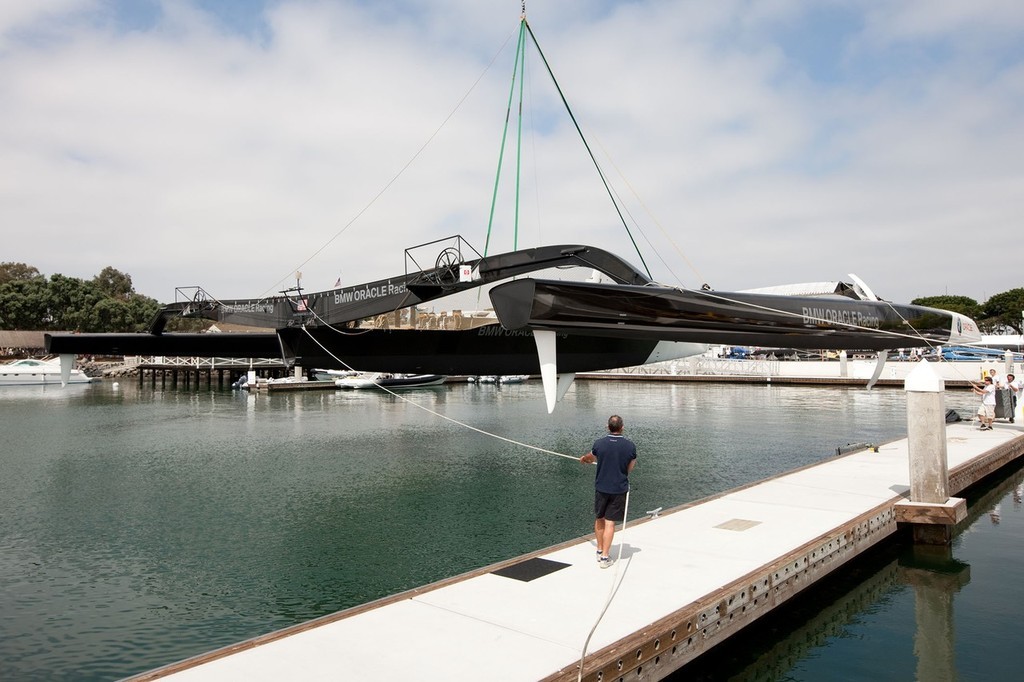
x: 1000, y: 314
x: 108, y: 302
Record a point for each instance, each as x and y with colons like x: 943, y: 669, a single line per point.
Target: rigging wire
x: 650, y: 214
x: 583, y: 138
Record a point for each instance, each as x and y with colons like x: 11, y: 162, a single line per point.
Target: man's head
x: 615, y: 423
x: 988, y: 380
x: 1010, y: 377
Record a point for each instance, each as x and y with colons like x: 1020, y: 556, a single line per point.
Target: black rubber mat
x: 531, y: 569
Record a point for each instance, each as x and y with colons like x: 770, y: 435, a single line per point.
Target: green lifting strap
x: 520, y: 45
x: 519, y: 137
x: 519, y: 70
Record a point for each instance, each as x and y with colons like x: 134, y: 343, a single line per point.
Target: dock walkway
x: 687, y: 580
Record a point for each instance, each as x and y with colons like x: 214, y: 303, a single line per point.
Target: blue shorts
x: 609, y: 507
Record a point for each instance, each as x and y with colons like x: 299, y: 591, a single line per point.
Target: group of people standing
x: 993, y: 382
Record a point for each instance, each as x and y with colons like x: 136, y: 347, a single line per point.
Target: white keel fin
x: 545, y: 341
x: 67, y: 362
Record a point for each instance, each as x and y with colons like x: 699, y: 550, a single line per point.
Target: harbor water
x: 140, y: 525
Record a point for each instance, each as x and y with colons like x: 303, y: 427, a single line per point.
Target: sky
x: 232, y: 144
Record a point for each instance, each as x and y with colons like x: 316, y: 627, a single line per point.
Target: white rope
x: 615, y: 577
x: 438, y: 414
x: 614, y: 587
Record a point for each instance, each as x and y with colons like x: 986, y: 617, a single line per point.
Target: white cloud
x: 185, y: 153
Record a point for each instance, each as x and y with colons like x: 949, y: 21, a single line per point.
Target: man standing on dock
x: 615, y: 456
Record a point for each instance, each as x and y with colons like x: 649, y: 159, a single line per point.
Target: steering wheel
x: 447, y: 266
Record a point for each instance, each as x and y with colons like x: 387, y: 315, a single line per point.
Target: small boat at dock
x: 35, y: 372
x: 390, y: 381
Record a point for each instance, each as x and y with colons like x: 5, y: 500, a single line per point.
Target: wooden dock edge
x: 680, y: 637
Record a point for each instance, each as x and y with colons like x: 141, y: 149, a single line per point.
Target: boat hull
x: 724, y: 317
x: 482, y: 350
x: 392, y: 382
x: 488, y: 350
x: 38, y: 373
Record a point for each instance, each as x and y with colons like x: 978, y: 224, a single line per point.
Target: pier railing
x: 201, y: 362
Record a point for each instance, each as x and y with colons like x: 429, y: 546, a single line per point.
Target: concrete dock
x: 686, y: 581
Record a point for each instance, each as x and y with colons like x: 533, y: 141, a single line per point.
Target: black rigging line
x: 597, y: 166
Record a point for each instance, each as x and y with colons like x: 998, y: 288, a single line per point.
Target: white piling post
x: 926, y: 435
x: 931, y: 510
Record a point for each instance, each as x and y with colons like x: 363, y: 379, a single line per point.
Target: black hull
x: 723, y: 317
x: 230, y: 345
x: 484, y: 350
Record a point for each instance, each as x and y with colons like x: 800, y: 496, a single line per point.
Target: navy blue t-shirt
x: 614, y: 453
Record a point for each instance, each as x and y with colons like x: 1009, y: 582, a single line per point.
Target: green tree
x: 114, y: 283
x: 23, y: 304
x: 1004, y: 310
x: 957, y: 304
x: 106, y: 303
x: 141, y: 311
x: 17, y: 272
x: 70, y: 302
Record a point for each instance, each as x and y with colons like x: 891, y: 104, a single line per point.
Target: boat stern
x: 963, y: 330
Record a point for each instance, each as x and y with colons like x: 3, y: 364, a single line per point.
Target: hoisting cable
x: 519, y: 140
x: 597, y: 166
x: 664, y: 232
x: 520, y: 45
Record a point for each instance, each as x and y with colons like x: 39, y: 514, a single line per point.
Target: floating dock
x: 686, y: 581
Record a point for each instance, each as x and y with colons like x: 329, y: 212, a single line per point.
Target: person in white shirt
x: 987, y: 409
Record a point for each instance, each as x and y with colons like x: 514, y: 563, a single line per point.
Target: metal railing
x: 202, y: 363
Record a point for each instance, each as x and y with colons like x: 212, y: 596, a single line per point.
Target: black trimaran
x: 552, y: 327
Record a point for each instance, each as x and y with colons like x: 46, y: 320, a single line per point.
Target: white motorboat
x: 33, y: 372
x: 333, y: 374
x: 390, y: 381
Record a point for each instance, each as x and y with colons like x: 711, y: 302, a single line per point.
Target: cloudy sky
x: 230, y: 144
